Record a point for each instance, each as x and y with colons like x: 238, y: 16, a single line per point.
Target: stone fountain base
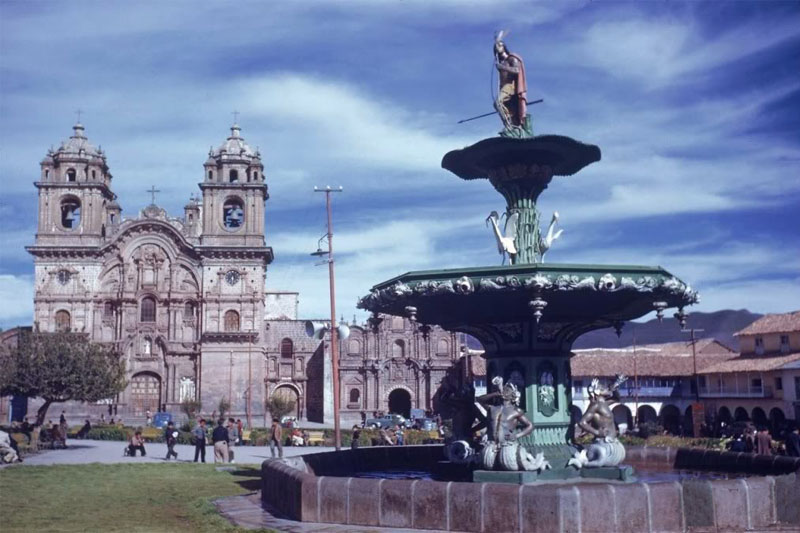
x: 623, y: 473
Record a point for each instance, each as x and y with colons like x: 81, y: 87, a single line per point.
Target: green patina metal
x: 528, y: 314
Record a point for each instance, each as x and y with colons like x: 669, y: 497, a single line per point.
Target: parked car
x: 160, y: 420
x: 425, y: 424
x: 386, y: 421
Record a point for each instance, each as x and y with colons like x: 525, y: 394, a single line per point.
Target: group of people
x: 760, y: 442
x: 225, y: 436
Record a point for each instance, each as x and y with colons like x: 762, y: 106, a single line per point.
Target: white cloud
x: 16, y: 295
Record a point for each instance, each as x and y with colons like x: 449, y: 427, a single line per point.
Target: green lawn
x: 144, y: 497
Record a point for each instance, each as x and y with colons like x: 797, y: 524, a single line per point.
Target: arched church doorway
x: 145, y: 393
x: 289, y: 394
x: 400, y: 402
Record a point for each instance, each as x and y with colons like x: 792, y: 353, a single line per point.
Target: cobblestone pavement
x: 108, y: 452
x: 246, y: 512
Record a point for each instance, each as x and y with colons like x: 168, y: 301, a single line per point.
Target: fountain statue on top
x: 527, y: 313
x: 512, y: 97
x: 598, y: 420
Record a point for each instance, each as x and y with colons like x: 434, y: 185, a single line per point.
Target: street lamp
x: 334, y: 343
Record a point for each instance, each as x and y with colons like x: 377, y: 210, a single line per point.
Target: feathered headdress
x: 500, y: 35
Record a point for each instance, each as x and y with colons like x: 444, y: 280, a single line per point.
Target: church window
x: 355, y: 396
x: 248, y: 175
x: 287, y: 348
x: 62, y: 321
x: 188, y: 310
x: 442, y: 347
x: 46, y: 173
x: 233, y: 175
x: 147, y: 346
x: 94, y: 174
x: 210, y: 175
x: 70, y: 213
x: 355, y: 346
x: 231, y: 321
x: 108, y: 309
x: 148, y: 310
x: 187, y: 389
x: 233, y: 213
x: 71, y: 174
x: 111, y: 218
x: 255, y: 175
x: 397, y: 323
x: 399, y: 349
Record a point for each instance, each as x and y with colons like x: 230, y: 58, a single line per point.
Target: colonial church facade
x: 184, y: 299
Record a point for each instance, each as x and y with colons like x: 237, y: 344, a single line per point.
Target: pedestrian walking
x: 220, y: 439
x: 171, y: 438
x: 233, y: 436
x: 356, y: 434
x: 199, y: 433
x: 276, y: 432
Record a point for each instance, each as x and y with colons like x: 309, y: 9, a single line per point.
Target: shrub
x: 109, y: 433
x: 279, y: 406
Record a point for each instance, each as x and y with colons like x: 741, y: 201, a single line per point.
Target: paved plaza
x: 110, y: 452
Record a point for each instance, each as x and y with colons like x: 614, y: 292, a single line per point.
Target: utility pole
x: 635, y: 384
x: 249, y: 381
x: 692, y: 331
x: 334, y: 342
x: 697, y: 408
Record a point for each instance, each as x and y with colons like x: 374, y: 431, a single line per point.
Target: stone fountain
x: 527, y: 314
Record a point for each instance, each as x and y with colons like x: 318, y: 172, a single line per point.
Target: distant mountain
x: 720, y: 325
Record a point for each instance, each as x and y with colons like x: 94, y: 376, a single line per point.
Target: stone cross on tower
x: 79, y: 112
x: 152, y: 190
x: 235, y: 117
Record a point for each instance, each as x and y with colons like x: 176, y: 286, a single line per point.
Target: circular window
x: 233, y: 214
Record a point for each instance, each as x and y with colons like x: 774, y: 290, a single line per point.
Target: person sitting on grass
x: 136, y: 443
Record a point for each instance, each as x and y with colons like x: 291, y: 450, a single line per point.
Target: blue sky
x: 696, y: 107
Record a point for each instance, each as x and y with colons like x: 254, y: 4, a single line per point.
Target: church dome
x: 78, y: 145
x: 235, y: 148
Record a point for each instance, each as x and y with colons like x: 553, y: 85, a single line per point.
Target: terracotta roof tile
x: 781, y: 323
x: 751, y: 363
x: 668, y: 359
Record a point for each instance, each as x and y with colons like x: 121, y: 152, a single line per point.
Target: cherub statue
x: 507, y: 424
x: 598, y: 420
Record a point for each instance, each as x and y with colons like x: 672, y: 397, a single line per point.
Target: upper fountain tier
x: 520, y: 169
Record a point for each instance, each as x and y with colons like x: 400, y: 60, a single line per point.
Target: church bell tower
x: 75, y: 200
x: 234, y: 193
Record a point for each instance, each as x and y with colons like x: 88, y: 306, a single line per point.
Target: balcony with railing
x: 728, y: 391
x: 645, y: 391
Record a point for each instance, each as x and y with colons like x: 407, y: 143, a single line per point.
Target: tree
x: 190, y: 408
x: 224, y: 406
x: 279, y: 405
x: 60, y: 367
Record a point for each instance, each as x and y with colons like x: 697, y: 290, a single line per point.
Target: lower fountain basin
x: 324, y: 488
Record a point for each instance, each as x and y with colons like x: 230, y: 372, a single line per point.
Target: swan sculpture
x: 505, y: 240
x: 552, y: 235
